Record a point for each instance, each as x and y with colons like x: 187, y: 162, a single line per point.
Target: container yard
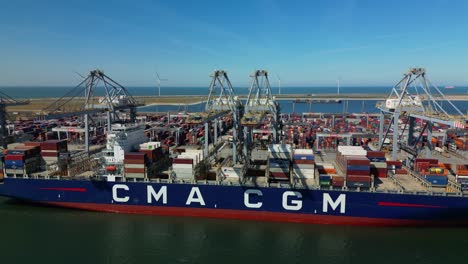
x: 238, y: 145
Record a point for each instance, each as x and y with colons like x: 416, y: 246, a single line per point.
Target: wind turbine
x: 279, y: 84
x: 79, y: 74
x: 338, y: 86
x: 159, y: 83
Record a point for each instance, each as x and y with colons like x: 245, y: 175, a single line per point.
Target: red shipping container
x: 153, y: 154
x: 303, y: 162
x: 50, y: 154
x: 357, y: 161
x: 338, y: 181
x: 135, y: 156
x: 376, y: 154
x: 182, y: 161
x: 60, y: 145
x: 358, y: 178
x: 431, y: 161
x: 134, y: 161
x: 401, y: 171
x: 394, y: 163
x: 422, y: 165
x: 32, y: 144
x: 133, y: 170
x: 381, y: 173
x: 357, y: 172
x: 279, y: 175
x: 14, y: 157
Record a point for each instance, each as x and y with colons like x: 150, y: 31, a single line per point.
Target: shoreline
x: 38, y: 104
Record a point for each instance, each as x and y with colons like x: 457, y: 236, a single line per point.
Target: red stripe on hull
x: 64, y: 189
x: 409, y: 205
x: 246, y: 215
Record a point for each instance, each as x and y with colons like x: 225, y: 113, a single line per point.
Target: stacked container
x: 461, y: 143
x: 51, y: 149
x: 22, y: 160
x: 150, y: 145
x: 327, y: 175
x: 279, y: 161
x: 185, y: 162
x: 378, y: 165
x: 394, y: 166
x: 135, y: 165
x: 231, y: 173
x: 435, y: 176
x: 153, y: 154
x: 421, y: 163
x: 303, y: 164
x: 462, y: 176
x: 356, y: 166
x: 430, y: 170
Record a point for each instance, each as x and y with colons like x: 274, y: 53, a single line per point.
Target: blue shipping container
x: 12, y: 164
x: 358, y: 167
x: 377, y: 159
x: 304, y: 157
x: 324, y: 177
x: 437, y: 180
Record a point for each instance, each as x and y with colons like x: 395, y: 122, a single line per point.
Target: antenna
x: 279, y: 84
x: 159, y: 83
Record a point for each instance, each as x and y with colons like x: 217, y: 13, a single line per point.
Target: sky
x: 304, y: 43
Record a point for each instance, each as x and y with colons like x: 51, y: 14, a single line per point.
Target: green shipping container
x: 326, y: 183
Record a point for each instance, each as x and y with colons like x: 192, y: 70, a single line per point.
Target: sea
x: 36, y: 234
x: 287, y: 106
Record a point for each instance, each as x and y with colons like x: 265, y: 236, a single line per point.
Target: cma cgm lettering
x: 252, y: 198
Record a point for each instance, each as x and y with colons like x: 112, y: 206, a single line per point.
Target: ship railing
x: 396, y: 182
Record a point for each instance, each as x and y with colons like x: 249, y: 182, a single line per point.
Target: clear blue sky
x: 369, y: 42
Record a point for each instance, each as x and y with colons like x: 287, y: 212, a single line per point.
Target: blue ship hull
x: 240, y: 202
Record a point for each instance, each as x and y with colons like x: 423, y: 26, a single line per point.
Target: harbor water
x: 33, y: 234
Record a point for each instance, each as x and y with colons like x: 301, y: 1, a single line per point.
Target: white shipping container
x: 280, y: 155
x: 303, y: 166
x: 135, y: 175
x: 352, y: 150
x: 231, y: 172
x: 304, y: 151
x: 134, y: 166
x: 285, y: 170
x: 183, y: 170
x: 150, y: 145
x: 303, y: 175
x: 325, y: 165
x: 282, y: 148
x: 306, y: 171
x: 184, y: 176
x: 278, y: 163
x: 379, y: 164
x: 182, y: 166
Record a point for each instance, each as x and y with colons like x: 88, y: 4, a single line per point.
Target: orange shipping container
x: 447, y: 166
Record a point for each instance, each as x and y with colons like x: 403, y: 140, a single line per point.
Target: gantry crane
x: 221, y: 98
x: 82, y: 101
x: 415, y: 97
x: 6, y: 100
x: 260, y: 102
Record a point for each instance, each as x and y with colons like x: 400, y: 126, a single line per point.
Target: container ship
x: 249, y: 161
x: 297, y: 185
